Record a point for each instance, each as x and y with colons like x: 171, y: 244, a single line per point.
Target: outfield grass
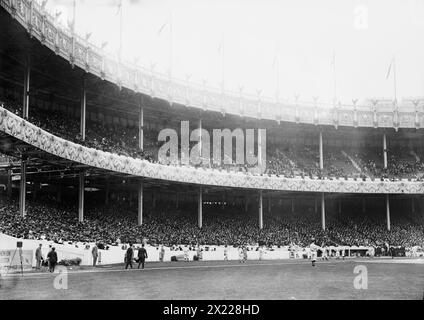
x: 226, y: 280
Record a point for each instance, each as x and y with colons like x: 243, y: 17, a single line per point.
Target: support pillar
x: 322, y: 211
x: 22, y: 189
x: 384, y: 151
x: 9, y: 183
x: 107, y: 193
x: 59, y: 194
x: 141, y: 128
x: 340, y: 206
x: 35, y: 188
x: 261, y: 221
x: 83, y: 109
x: 260, y: 165
x: 27, y: 74
x: 269, y: 204
x: 81, y: 187
x: 321, y: 153
x: 140, y: 203
x: 200, y: 139
x: 316, y: 205
x: 200, y: 209
x: 388, y: 212
x: 363, y: 205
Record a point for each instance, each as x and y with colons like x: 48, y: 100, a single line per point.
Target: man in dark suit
x: 95, y: 254
x: 38, y: 257
x: 142, y: 256
x: 129, y: 256
x: 52, y: 257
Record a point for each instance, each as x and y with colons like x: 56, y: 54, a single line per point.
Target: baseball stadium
x: 227, y: 195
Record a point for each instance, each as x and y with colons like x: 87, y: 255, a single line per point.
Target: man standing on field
x: 142, y: 256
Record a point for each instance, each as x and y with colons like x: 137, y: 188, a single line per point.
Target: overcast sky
x: 294, y: 39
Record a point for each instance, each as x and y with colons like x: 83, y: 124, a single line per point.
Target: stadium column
x: 9, y: 183
x: 261, y: 218
x: 316, y: 205
x: 200, y: 138
x: 412, y: 205
x: 200, y: 209
x: 385, y: 151
x: 59, y: 194
x: 22, y: 189
x: 81, y: 186
x: 388, y: 212
x: 259, y: 149
x: 140, y: 203
x: 322, y: 211
x: 363, y: 205
x: 269, y: 204
x: 107, y: 193
x: 321, y: 154
x: 27, y: 74
x: 83, y: 108
x: 141, y: 128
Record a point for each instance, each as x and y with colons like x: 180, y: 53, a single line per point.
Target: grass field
x: 255, y: 280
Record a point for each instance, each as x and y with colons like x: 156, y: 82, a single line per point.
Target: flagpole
x: 170, y: 45
x: 334, y: 79
x: 75, y: 17
x: 276, y: 65
x: 120, y: 30
x: 223, y: 63
x: 394, y: 78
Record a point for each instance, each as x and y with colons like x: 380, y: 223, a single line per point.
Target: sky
x: 328, y: 49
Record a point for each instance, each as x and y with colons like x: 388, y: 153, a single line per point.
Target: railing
x: 27, y: 132
x: 79, y: 52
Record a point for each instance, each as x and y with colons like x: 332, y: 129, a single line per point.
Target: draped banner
x: 27, y: 132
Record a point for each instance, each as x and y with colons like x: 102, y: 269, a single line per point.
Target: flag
x: 71, y: 24
x: 162, y: 27
x: 333, y: 59
x: 220, y: 48
x: 43, y: 4
x: 389, y: 70
x: 119, y: 7
x: 275, y: 61
x: 57, y: 15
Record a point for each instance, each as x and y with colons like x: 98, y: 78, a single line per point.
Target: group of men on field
x: 51, y: 258
x: 141, y: 256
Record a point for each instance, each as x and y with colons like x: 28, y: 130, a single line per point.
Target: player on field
x: 241, y: 255
x: 313, y: 248
x: 226, y: 253
x: 337, y: 253
x: 244, y: 254
x: 324, y: 255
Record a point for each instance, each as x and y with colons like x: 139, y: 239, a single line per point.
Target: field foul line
x: 46, y: 274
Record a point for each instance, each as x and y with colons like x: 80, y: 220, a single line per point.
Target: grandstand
x: 79, y: 158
